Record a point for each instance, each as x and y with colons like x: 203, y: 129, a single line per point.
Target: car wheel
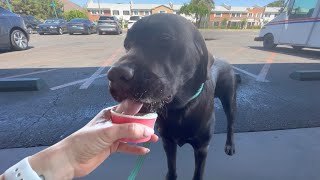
x: 41, y: 33
x: 297, y: 48
x: 268, y: 41
x: 70, y: 33
x: 88, y: 31
x: 29, y: 30
x: 118, y: 32
x: 60, y: 31
x: 19, y: 40
x: 99, y: 32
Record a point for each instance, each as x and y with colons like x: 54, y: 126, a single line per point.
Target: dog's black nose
x: 120, y: 73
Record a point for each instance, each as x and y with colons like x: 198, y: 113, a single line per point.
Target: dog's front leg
x: 170, y: 148
x: 200, y: 155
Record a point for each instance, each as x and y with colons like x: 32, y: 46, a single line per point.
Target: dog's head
x: 166, y: 58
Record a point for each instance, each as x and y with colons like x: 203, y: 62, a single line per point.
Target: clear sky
x: 217, y: 2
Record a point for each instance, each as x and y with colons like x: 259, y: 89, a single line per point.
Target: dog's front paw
x: 229, y: 149
x: 171, y: 176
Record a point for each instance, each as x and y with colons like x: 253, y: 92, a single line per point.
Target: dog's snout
x: 120, y: 73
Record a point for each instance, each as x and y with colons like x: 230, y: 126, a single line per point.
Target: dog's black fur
x: 166, y: 62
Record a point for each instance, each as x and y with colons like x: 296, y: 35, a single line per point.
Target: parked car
x: 31, y: 23
x: 83, y: 26
x: 109, y: 24
x: 132, y: 20
x: 13, y: 31
x: 53, y: 26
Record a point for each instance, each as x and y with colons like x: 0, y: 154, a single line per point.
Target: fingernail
x: 148, y: 132
x: 148, y: 150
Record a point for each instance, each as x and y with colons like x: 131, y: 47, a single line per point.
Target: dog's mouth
x: 133, y: 107
x: 129, y: 107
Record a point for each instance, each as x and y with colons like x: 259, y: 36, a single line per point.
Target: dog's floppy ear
x: 206, y: 59
x: 210, y: 63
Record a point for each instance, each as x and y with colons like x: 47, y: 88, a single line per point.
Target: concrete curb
x: 20, y: 84
x: 306, y: 75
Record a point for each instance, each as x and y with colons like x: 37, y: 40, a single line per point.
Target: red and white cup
x: 145, y: 119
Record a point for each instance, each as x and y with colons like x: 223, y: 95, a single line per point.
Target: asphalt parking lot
x: 74, y: 68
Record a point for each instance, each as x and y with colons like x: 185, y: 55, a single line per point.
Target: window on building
x: 147, y: 13
x: 94, y: 12
x: 250, y: 14
x: 258, y: 15
x: 302, y: 9
x: 135, y: 13
x: 218, y: 15
x: 162, y: 11
x: 236, y: 14
x: 115, y: 12
x: 126, y: 12
x: 267, y: 15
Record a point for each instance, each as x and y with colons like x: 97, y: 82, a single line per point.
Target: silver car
x: 13, y: 31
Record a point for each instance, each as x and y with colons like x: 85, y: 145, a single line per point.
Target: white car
x: 132, y: 20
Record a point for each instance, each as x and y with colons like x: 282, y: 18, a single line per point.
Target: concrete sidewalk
x: 273, y: 155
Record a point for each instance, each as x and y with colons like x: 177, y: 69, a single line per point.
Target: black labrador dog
x: 167, y: 69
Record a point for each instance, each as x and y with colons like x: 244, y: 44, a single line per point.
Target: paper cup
x: 145, y: 119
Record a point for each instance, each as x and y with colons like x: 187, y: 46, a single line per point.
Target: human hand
x: 83, y: 151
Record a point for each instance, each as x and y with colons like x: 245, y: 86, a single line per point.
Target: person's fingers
x: 128, y: 130
x: 154, y: 138
x: 103, y: 115
x: 132, y: 149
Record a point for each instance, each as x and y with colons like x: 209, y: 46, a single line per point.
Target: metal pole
x: 9, y: 5
x: 99, y: 7
x: 54, y: 8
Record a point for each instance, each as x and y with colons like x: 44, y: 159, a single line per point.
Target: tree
x: 198, y: 8
x: 42, y: 9
x: 278, y: 3
x: 244, y: 23
x: 74, y: 14
x: 224, y: 23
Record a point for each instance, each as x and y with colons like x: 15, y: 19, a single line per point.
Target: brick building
x: 241, y: 17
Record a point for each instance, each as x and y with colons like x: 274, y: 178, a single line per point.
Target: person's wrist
x: 52, y: 163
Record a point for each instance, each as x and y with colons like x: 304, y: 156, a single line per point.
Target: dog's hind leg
x: 170, y: 148
x: 228, y: 101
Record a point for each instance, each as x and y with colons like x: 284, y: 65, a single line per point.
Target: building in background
x: 221, y: 16
x: 228, y: 16
x: 270, y: 13
x: 124, y: 11
x: 241, y: 17
x: 255, y: 15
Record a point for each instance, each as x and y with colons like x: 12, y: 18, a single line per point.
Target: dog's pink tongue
x: 129, y: 107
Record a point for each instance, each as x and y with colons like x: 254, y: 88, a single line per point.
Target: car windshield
x: 106, y: 18
x: 52, y: 21
x: 78, y: 21
x: 33, y: 19
x: 134, y: 18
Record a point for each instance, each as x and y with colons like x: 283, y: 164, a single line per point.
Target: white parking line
x: 27, y: 74
x: 75, y: 82
x: 265, y: 69
x: 90, y: 80
x: 249, y: 74
x: 263, y: 73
